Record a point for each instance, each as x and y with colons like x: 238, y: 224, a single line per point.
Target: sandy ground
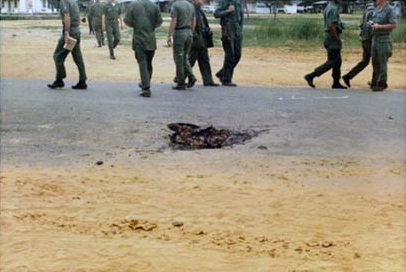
x: 241, y: 211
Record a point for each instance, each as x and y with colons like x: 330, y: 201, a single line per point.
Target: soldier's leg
x: 186, y: 63
x: 60, y: 55
x: 110, y: 37
x: 102, y: 37
x: 204, y: 66
x: 385, y: 52
x: 237, y: 54
x: 366, y: 56
x: 78, y: 59
x: 336, y: 59
x: 117, y: 35
x: 89, y: 21
x: 98, y: 31
x: 228, y: 60
x: 150, y: 56
x: 178, y: 55
x: 375, y: 64
x: 193, y: 56
x: 318, y: 71
x: 141, y: 57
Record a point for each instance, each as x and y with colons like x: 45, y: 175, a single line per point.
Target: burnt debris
x: 189, y: 136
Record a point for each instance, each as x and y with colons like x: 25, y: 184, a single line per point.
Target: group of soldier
x: 376, y: 25
x: 190, y: 36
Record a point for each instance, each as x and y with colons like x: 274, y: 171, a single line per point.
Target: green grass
x: 297, y: 32
x: 302, y: 32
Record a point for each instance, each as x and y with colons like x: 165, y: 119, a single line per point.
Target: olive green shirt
x: 331, y: 15
x: 71, y: 7
x: 184, y: 12
x: 232, y: 21
x: 383, y: 16
x: 366, y: 31
x: 143, y: 16
x: 96, y: 10
x: 112, y: 12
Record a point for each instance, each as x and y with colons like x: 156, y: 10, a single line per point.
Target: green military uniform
x: 89, y: 18
x: 112, y: 14
x: 60, y: 54
x: 232, y: 27
x: 381, y: 47
x: 332, y: 45
x: 144, y: 16
x: 199, y: 50
x: 182, y: 40
x: 96, y: 13
x: 365, y: 37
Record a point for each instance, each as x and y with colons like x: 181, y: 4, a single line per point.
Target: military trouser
x: 202, y: 57
x: 333, y: 48
x: 60, y: 55
x: 113, y: 35
x: 144, y: 59
x: 97, y: 27
x: 182, y: 43
x: 381, y: 52
x: 232, y: 55
x: 90, y: 23
x: 366, y: 56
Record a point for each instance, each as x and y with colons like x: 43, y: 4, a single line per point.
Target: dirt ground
x: 241, y: 212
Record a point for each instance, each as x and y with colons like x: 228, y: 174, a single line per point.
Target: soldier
x: 199, y: 46
x: 89, y: 17
x: 332, y: 42
x: 384, y: 21
x: 183, y: 22
x: 70, y: 20
x: 96, y: 12
x: 365, y: 37
x: 144, y: 17
x: 231, y: 18
x: 111, y: 16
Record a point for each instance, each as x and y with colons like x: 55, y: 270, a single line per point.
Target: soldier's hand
x: 230, y: 9
x: 121, y: 27
x: 376, y: 26
x: 66, y: 37
x: 169, y: 41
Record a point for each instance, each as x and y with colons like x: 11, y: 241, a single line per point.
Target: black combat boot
x: 192, y: 81
x: 309, y: 78
x: 146, y: 92
x: 211, y: 84
x: 337, y: 85
x: 229, y: 84
x: 56, y: 84
x: 179, y: 87
x: 347, y: 80
x: 81, y: 85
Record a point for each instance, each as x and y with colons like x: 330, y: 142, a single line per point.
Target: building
x: 29, y: 6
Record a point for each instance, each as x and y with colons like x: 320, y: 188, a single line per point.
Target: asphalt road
x: 41, y: 126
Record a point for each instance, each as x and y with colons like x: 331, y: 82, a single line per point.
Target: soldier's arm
x: 158, y: 17
x: 392, y: 23
x: 172, y: 25
x: 67, y: 26
x: 129, y: 19
x: 332, y: 24
x: 193, y: 26
x: 333, y: 30
x: 104, y: 18
x: 242, y: 17
x: 120, y: 18
x: 223, y: 11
